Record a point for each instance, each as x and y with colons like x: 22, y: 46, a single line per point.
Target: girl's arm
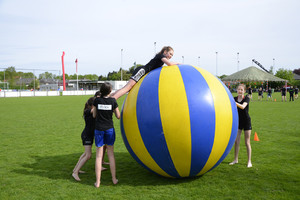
x: 117, y: 113
x: 94, y: 110
x: 241, y: 106
x: 168, y: 62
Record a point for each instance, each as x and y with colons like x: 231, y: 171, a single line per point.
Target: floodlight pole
x: 4, y: 79
x: 33, y: 83
x: 238, y: 62
x: 274, y: 65
x: 182, y: 59
x: 121, y: 63
x: 216, y: 64
x: 198, y: 61
x: 154, y: 48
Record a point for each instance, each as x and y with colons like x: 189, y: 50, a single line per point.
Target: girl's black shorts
x: 245, y: 124
x: 138, y: 73
x: 87, y: 139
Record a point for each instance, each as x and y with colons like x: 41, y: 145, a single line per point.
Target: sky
x: 34, y: 33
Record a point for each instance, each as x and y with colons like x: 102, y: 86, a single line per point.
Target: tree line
x: 14, y: 78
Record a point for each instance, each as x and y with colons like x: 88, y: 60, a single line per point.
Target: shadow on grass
x: 129, y: 172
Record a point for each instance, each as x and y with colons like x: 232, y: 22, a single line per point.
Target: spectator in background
x: 283, y: 93
x: 291, y: 91
x: 250, y: 92
x: 270, y: 93
x: 260, y: 94
x: 296, y: 92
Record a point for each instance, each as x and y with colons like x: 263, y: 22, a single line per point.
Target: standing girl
x: 103, y: 109
x: 163, y: 57
x: 242, y: 103
x: 250, y: 92
x: 87, y: 137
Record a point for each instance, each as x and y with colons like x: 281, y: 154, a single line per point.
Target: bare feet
x: 234, y: 162
x: 97, y: 185
x: 76, y: 177
x: 249, y: 165
x: 115, y: 181
x: 103, y: 168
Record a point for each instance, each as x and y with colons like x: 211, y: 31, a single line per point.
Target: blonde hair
x: 166, y: 48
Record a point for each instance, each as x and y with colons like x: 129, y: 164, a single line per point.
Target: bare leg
x: 111, y: 158
x: 236, y: 147
x: 248, y: 146
x: 98, y: 165
x: 124, y: 90
x: 82, y: 160
x: 104, y: 163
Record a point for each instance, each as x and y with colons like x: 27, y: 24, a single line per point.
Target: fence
x: 44, y: 93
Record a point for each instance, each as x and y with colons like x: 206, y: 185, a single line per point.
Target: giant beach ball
x: 179, y: 121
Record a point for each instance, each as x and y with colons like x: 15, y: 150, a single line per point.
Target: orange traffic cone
x: 256, y: 137
x: 275, y: 100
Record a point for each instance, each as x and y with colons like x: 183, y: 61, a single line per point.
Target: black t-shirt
x: 105, y: 108
x: 243, y: 113
x: 283, y: 90
x: 89, y: 123
x: 154, y: 63
x: 296, y: 90
x: 291, y: 90
x: 269, y: 91
x: 249, y: 90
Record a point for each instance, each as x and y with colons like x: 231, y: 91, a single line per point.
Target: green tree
x: 285, y: 74
x: 47, y: 75
x: 10, y: 74
x: 33, y: 85
x: 92, y: 77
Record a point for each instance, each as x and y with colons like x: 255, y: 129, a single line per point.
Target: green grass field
x: 40, y: 145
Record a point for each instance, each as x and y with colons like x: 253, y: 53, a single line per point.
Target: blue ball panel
x: 149, y: 122
x: 127, y: 144
x: 202, y: 117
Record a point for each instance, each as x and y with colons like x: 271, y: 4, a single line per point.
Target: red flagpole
x: 63, y: 69
x: 76, y: 66
x: 76, y: 61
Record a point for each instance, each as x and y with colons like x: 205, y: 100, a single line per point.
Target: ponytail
x: 165, y: 48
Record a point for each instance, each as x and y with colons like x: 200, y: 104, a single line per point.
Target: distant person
x: 260, y: 94
x: 270, y: 93
x: 250, y: 92
x: 163, y: 57
x: 283, y: 93
x: 296, y: 92
x: 242, y: 103
x: 291, y: 91
x: 87, y: 137
x: 104, y: 107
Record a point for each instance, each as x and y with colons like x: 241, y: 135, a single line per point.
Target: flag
x: 76, y: 66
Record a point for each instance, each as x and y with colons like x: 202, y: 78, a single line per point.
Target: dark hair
x: 105, y: 89
x: 98, y: 93
x: 88, y: 104
x: 166, y: 48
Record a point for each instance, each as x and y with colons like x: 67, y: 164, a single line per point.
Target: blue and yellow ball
x: 179, y: 121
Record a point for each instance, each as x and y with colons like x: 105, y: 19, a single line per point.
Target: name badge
x: 104, y: 107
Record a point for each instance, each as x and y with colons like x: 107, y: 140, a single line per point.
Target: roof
x: 296, y: 76
x: 252, y: 74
